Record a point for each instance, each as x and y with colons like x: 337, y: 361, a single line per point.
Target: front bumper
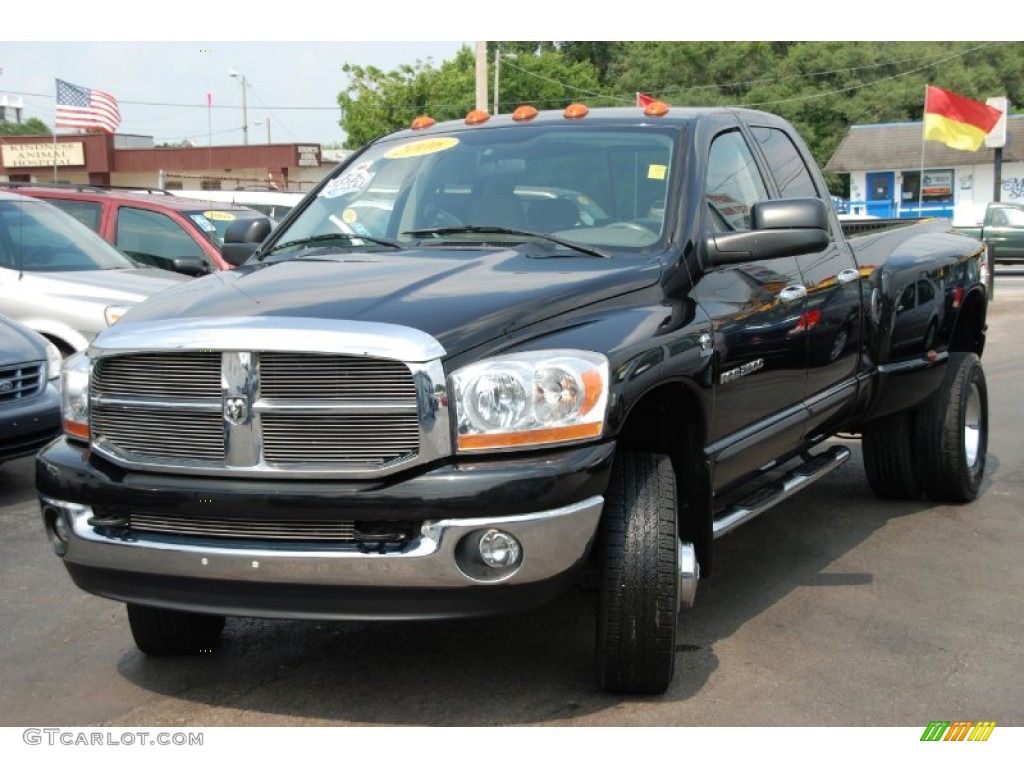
x: 425, y: 578
x: 28, y: 425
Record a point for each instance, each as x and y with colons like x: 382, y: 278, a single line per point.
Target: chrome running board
x: 770, y: 494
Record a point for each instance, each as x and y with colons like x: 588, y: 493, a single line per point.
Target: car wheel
x: 888, y: 448
x: 163, y: 632
x: 639, y: 581
x: 952, y: 432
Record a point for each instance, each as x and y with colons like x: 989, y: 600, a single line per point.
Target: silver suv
x: 63, y: 280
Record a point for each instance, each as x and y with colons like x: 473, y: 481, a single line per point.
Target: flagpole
x: 920, y: 179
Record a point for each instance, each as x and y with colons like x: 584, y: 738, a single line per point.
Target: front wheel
x: 163, y: 632
x: 639, y: 591
x: 952, y: 433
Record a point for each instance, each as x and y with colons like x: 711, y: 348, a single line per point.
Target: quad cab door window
x: 153, y: 238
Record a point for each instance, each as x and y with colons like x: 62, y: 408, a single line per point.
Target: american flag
x: 79, y: 107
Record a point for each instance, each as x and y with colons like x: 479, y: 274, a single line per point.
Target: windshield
x: 37, y: 237
x: 214, y: 223
x: 597, y: 186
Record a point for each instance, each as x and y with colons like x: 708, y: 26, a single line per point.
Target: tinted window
x: 153, y: 238
x: 733, y: 182
x: 925, y: 292
x: 85, y: 211
x: 37, y: 237
x: 785, y: 163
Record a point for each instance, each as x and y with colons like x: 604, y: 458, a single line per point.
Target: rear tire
x: 163, y: 632
x: 952, y: 433
x: 639, y: 592
x: 888, y: 448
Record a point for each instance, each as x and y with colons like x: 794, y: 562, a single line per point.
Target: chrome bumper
x: 552, y: 541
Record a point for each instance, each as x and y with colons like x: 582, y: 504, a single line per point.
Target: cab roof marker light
x: 656, y: 109
x: 421, y: 122
x: 525, y: 112
x: 476, y: 117
x: 575, y: 111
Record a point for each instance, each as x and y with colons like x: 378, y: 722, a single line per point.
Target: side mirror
x: 779, y: 228
x: 190, y: 265
x: 243, y: 237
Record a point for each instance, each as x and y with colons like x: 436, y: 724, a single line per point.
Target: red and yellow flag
x: 957, y: 121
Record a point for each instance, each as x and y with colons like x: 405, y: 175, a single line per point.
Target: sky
x: 157, y: 55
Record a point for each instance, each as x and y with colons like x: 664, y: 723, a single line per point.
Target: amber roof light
x: 656, y: 109
x: 423, y: 121
x: 476, y: 117
x: 525, y: 112
x: 575, y: 111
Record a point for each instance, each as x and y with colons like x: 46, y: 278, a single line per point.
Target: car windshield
x: 597, y: 186
x: 213, y: 223
x: 37, y: 237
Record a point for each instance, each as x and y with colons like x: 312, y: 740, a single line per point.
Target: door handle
x: 848, y: 276
x: 792, y: 293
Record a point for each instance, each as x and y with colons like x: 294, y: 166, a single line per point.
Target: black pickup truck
x: 492, y: 359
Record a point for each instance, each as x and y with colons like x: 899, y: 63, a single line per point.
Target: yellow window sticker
x: 219, y: 215
x: 422, y: 147
x: 657, y: 172
x: 349, y: 216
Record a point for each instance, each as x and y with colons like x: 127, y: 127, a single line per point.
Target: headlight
x: 530, y: 399
x: 54, y: 361
x: 115, y: 312
x: 74, y: 395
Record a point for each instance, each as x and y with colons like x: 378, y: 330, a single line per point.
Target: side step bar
x: 767, y: 496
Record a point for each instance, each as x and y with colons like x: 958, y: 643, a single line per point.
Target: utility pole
x: 245, y: 111
x: 481, y: 75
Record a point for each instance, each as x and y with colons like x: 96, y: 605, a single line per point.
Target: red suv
x: 152, y: 226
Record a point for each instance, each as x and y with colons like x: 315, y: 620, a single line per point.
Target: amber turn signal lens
x: 525, y: 112
x: 423, y: 121
x: 575, y: 111
x: 476, y: 117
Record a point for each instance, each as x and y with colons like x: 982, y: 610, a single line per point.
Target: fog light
x: 499, y: 549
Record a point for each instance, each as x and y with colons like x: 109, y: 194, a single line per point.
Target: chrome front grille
x: 245, y: 412
x: 18, y: 382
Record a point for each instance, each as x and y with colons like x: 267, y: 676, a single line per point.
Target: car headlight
x: 74, y: 395
x: 530, y: 399
x: 115, y: 312
x: 54, y: 361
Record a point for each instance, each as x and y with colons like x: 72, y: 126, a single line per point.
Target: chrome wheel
x: 972, y: 426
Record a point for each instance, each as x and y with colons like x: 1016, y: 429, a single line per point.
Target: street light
x: 498, y: 56
x: 261, y: 122
x: 245, y: 112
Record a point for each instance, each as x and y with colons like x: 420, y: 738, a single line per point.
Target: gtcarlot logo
x: 958, y: 730
x: 71, y: 737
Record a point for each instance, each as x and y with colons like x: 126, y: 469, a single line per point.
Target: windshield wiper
x: 442, y: 231
x: 346, y: 236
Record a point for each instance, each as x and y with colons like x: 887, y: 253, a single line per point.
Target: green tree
x: 30, y: 127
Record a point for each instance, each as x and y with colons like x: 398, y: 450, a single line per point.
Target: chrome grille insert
x: 368, y: 440
x: 193, y: 374
x: 20, y: 381
x: 235, y: 528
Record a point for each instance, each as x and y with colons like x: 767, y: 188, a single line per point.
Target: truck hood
x: 18, y: 344
x: 461, y: 297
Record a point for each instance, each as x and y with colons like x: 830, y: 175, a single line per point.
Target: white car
x: 61, y: 279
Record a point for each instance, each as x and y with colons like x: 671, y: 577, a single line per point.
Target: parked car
x: 152, y: 226
x: 63, y: 280
x: 29, y: 397
x: 1002, y: 230
x: 276, y: 205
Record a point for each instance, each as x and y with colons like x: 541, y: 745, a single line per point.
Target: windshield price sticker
x: 219, y: 215
x: 657, y: 172
x: 355, y: 178
x: 203, y: 222
x: 422, y: 147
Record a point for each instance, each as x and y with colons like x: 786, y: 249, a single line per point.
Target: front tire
x: 639, y: 593
x: 952, y: 433
x: 163, y: 632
